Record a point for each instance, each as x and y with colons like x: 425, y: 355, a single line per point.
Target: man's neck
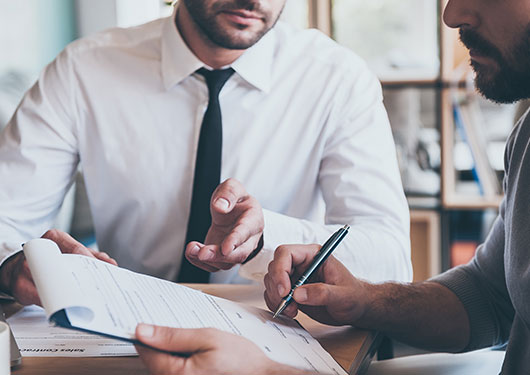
x: 208, y: 52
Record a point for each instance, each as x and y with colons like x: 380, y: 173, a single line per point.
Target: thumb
x: 317, y: 294
x: 222, y: 205
x: 226, y: 196
x: 174, y: 340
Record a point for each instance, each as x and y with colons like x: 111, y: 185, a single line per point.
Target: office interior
x: 453, y: 189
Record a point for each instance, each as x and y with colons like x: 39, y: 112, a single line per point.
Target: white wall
x: 33, y: 32
x: 96, y: 15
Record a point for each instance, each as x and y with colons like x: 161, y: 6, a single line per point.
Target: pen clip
x: 341, y: 232
x: 329, y: 240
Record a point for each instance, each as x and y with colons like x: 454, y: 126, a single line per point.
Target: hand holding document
x: 87, y: 294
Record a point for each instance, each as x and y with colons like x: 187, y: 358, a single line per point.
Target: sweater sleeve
x: 481, y: 287
x: 481, y: 284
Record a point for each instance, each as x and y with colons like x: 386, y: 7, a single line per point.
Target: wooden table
x: 351, y: 348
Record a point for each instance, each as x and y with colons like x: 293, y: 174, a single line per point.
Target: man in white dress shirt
x: 306, y: 148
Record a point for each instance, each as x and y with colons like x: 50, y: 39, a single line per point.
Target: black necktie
x: 207, y: 172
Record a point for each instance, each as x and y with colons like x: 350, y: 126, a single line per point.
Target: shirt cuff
x: 278, y: 226
x: 7, y: 251
x: 284, y: 230
x: 278, y: 230
x: 256, y: 268
x: 482, y: 324
x: 3, y: 260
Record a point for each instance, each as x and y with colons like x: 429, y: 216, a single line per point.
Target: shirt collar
x: 179, y: 62
x: 255, y: 65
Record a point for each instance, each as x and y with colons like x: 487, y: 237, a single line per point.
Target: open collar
x: 179, y: 62
x: 255, y: 65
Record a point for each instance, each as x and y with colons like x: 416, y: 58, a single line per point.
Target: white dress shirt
x: 304, y: 130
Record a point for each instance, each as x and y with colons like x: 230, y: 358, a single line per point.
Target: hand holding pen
x: 334, y: 296
x: 325, y: 251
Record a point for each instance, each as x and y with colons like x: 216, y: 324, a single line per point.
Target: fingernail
x: 281, y: 290
x: 300, y: 295
x: 222, y: 204
x: 194, y: 250
x: 146, y: 330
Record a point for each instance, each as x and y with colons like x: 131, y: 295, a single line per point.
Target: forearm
x: 426, y: 315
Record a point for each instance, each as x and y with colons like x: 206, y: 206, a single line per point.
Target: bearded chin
x: 488, y: 83
x: 509, y: 80
x: 503, y: 84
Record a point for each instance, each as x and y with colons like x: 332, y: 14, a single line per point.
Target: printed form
x: 100, y: 297
x: 36, y: 337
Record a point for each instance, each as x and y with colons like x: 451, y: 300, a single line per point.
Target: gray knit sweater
x: 495, y: 286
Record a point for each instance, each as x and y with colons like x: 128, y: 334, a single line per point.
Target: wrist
x: 381, y: 305
x: 366, y: 301
x: 6, y: 272
x: 255, y: 252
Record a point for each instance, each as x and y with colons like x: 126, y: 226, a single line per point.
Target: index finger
x: 289, y: 260
x: 176, y: 340
x: 66, y: 243
x: 158, y: 362
x: 250, y: 225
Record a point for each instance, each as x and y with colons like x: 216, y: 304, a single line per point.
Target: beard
x: 509, y: 80
x: 237, y: 37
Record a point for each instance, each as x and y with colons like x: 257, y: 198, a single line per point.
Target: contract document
x: 90, y: 295
x: 36, y: 337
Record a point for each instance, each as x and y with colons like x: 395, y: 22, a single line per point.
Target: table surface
x: 350, y: 347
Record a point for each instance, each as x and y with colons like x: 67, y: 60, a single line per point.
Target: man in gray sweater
x: 482, y: 304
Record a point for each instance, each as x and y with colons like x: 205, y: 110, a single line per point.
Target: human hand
x: 203, y: 351
x: 237, y: 226
x: 334, y: 295
x: 15, y: 276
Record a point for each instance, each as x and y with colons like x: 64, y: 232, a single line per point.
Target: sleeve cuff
x: 279, y: 226
x: 7, y: 257
x: 256, y: 268
x: 3, y: 294
x: 483, y: 327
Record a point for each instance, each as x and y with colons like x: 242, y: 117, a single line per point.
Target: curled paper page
x: 55, y: 279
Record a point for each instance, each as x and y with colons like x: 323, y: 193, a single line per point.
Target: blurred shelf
x: 416, y: 77
x: 427, y: 83
x: 425, y: 243
x: 471, y: 202
x: 418, y: 202
x: 403, y: 82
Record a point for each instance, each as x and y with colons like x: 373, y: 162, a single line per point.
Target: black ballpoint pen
x: 326, y: 250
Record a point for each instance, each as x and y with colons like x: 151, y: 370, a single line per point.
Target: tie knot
x: 215, y: 79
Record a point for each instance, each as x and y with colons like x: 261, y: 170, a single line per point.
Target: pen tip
x: 280, y: 309
x: 346, y: 227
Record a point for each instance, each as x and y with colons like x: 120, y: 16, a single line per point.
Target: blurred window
x: 398, y: 39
